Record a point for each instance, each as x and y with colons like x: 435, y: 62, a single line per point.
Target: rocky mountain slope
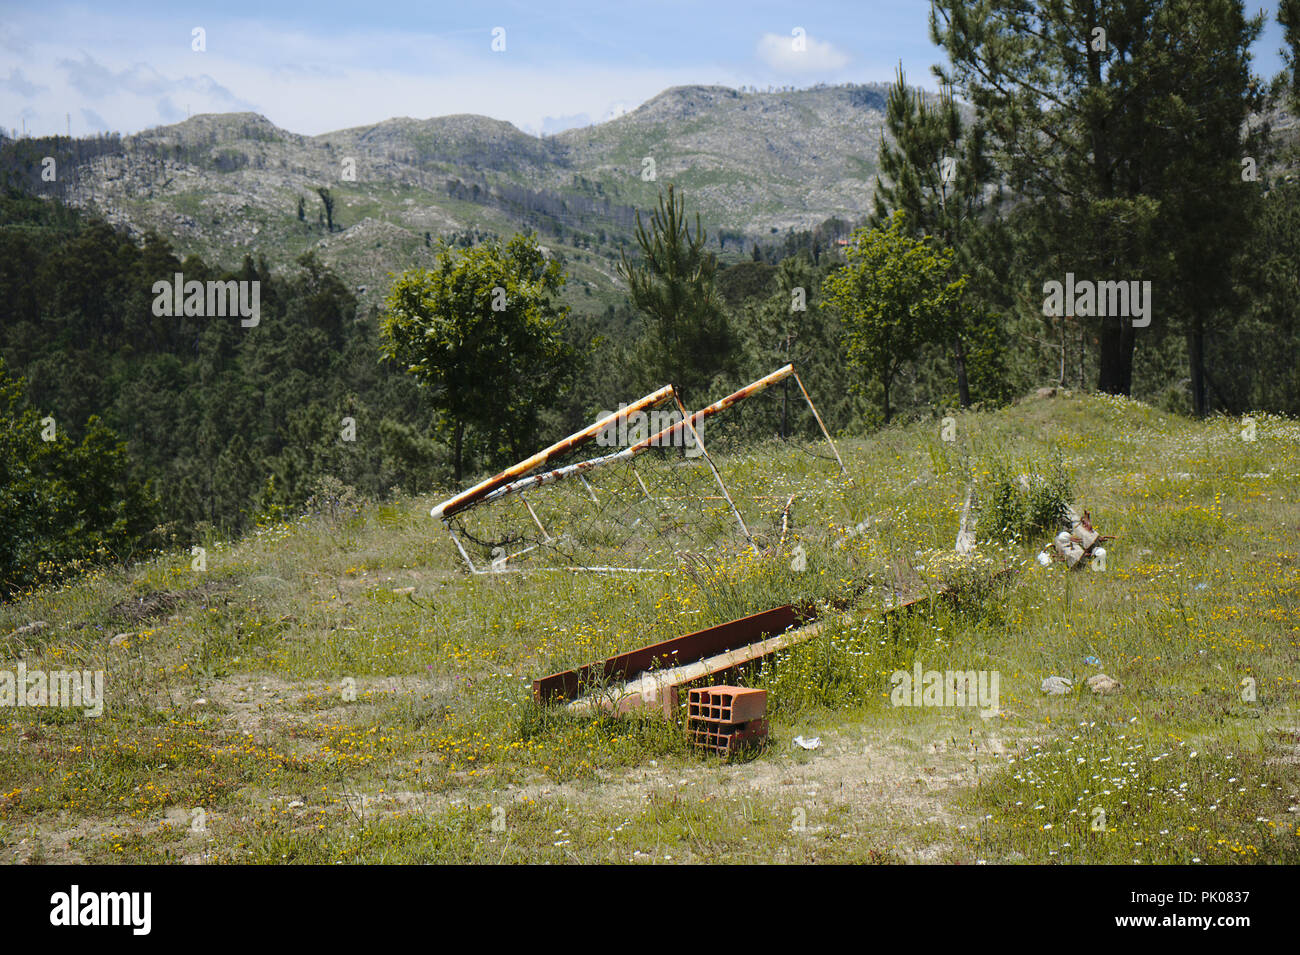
x: 754, y: 165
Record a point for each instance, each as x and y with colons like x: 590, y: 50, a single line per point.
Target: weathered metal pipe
x: 665, y: 438
x: 464, y: 499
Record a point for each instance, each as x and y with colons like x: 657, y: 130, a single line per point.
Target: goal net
x: 779, y: 461
x: 648, y: 487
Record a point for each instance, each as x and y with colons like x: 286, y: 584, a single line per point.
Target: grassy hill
x: 229, y: 732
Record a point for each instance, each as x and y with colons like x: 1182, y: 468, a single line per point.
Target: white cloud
x: 784, y: 53
x: 20, y: 84
x: 310, y: 84
x: 94, y: 121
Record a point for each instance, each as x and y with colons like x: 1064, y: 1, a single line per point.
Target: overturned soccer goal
x: 778, y: 460
x: 643, y: 488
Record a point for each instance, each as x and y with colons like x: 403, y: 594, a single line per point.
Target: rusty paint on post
x: 722, y: 404
x: 464, y: 499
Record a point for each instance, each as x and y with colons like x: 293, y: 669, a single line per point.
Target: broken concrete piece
x: 1057, y: 685
x: 1068, y: 548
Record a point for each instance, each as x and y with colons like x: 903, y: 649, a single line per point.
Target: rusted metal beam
x: 662, y: 688
x: 670, y: 653
x: 464, y: 499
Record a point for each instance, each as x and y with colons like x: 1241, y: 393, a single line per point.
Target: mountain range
x: 753, y: 165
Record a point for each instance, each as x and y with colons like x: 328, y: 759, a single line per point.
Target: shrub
x: 1018, y: 506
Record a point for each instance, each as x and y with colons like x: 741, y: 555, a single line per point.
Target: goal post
x: 574, y: 441
x: 572, y: 507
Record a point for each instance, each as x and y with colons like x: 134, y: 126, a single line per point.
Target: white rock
x: 1102, y: 684
x: 1057, y: 685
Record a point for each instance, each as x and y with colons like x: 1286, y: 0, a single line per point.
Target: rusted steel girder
x: 465, y: 498
x: 668, y: 653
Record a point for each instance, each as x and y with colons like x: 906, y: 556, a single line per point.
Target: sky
x: 313, y: 67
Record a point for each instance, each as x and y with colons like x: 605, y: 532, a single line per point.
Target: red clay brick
x: 725, y: 738
x: 726, y: 704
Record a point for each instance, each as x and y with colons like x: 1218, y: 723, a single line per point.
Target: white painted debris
x: 966, y: 532
x: 811, y: 743
x: 1057, y: 685
x: 1081, y: 528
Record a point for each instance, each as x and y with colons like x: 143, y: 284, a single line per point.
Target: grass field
x: 295, y: 702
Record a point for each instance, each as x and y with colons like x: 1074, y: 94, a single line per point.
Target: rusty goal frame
x: 533, y: 472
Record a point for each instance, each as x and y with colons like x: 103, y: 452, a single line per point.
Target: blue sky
x: 312, y: 67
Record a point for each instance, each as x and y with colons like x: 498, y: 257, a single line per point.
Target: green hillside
x: 229, y: 732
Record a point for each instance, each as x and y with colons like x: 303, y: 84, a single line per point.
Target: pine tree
x: 689, y: 342
x: 1119, y: 124
x: 935, y: 170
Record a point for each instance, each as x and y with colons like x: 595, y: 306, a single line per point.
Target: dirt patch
x: 261, y: 703
x: 137, y: 610
x: 893, y: 792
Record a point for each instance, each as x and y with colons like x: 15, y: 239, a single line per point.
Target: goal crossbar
x: 667, y: 437
x: 481, y: 490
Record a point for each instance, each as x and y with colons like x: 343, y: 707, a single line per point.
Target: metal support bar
x: 821, y: 425
x: 462, y: 500
x: 545, y: 534
x: 688, y: 420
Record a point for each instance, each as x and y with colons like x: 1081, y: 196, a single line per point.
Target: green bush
x: 1017, y: 506
x: 63, y: 506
